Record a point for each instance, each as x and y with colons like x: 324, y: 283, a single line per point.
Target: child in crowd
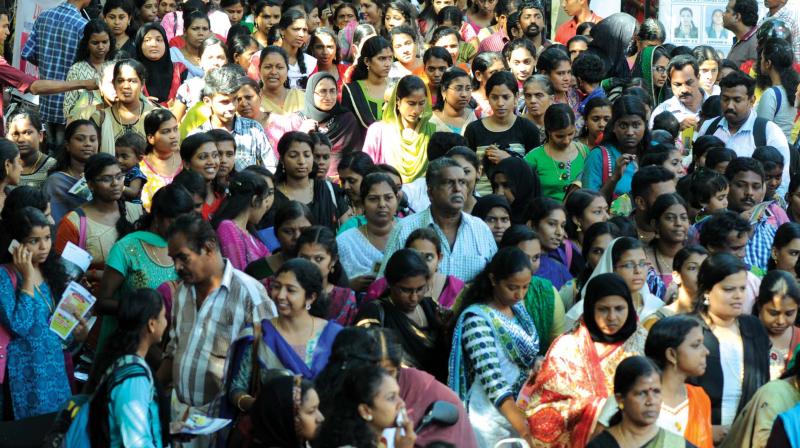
x: 130, y: 148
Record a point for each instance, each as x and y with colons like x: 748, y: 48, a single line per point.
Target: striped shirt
x: 252, y: 146
x: 200, y: 338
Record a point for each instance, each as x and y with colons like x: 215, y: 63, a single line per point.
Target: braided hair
x: 94, y: 166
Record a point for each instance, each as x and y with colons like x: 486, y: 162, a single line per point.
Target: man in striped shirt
x: 211, y: 306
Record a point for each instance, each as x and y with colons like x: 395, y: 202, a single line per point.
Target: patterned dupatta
x: 564, y: 400
x: 517, y: 337
x: 280, y: 350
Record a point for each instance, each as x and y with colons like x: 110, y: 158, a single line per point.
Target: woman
x: 241, y: 48
x: 556, y: 65
x: 125, y: 408
x: 637, y: 390
x: 286, y: 413
x: 96, y: 225
x: 364, y: 95
x: 786, y: 249
x: 266, y: 15
x: 480, y: 13
x: 30, y: 288
x: 406, y: 54
x: 197, y: 28
x: 596, y: 240
x: 324, y: 46
x: 367, y: 403
x: 452, y: 112
x: 401, y: 137
x: 162, y: 76
x: 140, y: 259
x: 675, y: 345
x: 162, y: 159
x: 651, y: 66
x: 612, y: 38
x: 361, y: 248
x: 294, y: 340
x: 489, y: 380
x: 199, y: 154
x: 549, y: 218
x: 596, y: 115
x: 584, y: 208
x: 117, y: 15
x: 610, y: 166
x: 342, y: 15
x: 294, y: 37
x: 793, y: 200
x: 81, y: 140
x: 513, y: 179
x: 296, y: 181
x: 414, y: 316
x: 129, y: 109
x: 670, y: 219
x: 565, y: 412
x: 484, y: 66
x: 273, y: 71
x: 538, y: 93
x: 399, y: 13
x: 353, y: 168
x: 247, y: 200
x: 495, y: 211
x: 26, y: 131
x: 95, y: 47
x: 778, y: 79
x: 212, y: 55
x: 738, y: 343
x: 558, y: 163
x: 776, y: 307
x: 708, y: 61
x: 498, y: 136
x: 683, y: 291
x: 291, y: 218
x: 249, y: 103
x: 10, y: 169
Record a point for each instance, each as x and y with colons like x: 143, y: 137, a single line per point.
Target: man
x: 531, y: 23
x: 212, y: 304
x: 647, y: 185
x: 688, y: 96
x: 746, y: 197
x: 739, y: 127
x: 252, y: 146
x: 589, y: 71
x: 467, y: 242
x: 741, y: 17
x: 580, y: 12
x: 789, y: 12
x: 51, y: 46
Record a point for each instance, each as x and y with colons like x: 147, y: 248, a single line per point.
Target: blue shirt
x: 51, y: 46
x: 252, y: 146
x: 759, y: 247
x: 593, y: 170
x: 133, y: 414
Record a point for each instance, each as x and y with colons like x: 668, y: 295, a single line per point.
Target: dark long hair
x: 19, y: 227
x: 779, y: 53
x: 506, y: 262
x: 786, y: 233
x: 369, y: 50
x: 63, y: 159
x: 283, y: 147
x: 168, y: 202
x: 594, y: 232
x: 327, y: 239
x: 8, y: 152
x: 153, y: 121
x: 714, y: 270
x: 245, y: 189
x: 94, y: 26
x: 776, y: 283
x: 575, y: 204
x: 669, y: 332
x: 624, y: 106
x: 287, y: 18
x: 628, y: 372
x: 94, y: 166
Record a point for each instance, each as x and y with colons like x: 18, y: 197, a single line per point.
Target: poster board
x: 696, y: 22
x: 26, y: 13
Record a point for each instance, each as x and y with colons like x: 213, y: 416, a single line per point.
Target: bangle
x: 239, y: 402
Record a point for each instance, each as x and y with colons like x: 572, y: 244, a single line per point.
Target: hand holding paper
x: 74, y: 306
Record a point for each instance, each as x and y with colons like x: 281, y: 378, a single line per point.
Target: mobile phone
x: 400, y: 421
x: 11, y: 247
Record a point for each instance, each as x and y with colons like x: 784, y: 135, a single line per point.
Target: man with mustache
x: 740, y: 128
x: 746, y: 197
x: 688, y: 97
x: 531, y: 23
x: 467, y: 242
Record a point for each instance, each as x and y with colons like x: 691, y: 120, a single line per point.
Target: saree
x: 564, y: 401
x: 292, y: 103
x: 540, y: 302
x: 753, y: 425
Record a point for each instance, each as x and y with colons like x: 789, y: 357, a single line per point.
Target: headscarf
x: 274, y: 413
x: 411, y: 158
x: 159, y: 73
x: 522, y: 182
x: 643, y: 68
x: 613, y: 37
x: 309, y: 109
x: 598, y: 287
x: 486, y: 203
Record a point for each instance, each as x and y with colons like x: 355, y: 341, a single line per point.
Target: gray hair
x: 434, y: 174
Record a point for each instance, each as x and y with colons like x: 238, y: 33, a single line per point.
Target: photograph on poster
x: 684, y: 22
x: 713, y: 24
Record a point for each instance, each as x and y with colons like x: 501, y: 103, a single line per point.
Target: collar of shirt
x: 747, y: 126
x: 749, y: 34
x: 675, y: 106
x: 227, y: 275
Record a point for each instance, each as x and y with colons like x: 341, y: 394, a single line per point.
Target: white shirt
x: 675, y: 107
x: 294, y: 70
x: 743, y: 143
x: 731, y: 353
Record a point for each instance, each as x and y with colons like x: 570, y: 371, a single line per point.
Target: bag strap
x: 12, y: 275
x: 255, y: 371
x: 712, y: 128
x: 778, y: 99
x: 82, y: 224
x: 760, y: 131
x: 333, y: 194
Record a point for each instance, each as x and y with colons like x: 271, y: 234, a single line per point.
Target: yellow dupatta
x: 410, y: 156
x: 293, y: 103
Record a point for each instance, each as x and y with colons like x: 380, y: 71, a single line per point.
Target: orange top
x: 567, y: 30
x: 698, y: 430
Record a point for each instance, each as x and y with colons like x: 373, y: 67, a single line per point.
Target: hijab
x: 338, y: 124
x: 599, y: 287
x: 643, y: 68
x: 612, y: 37
x: 275, y: 411
x: 522, y: 182
x: 410, y: 157
x: 310, y: 110
x: 158, y: 82
x: 485, y: 204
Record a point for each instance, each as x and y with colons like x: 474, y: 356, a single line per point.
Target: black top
x: 606, y: 440
x: 327, y: 206
x: 520, y: 138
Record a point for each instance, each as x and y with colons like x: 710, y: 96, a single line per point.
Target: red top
x: 10, y: 76
x: 567, y: 29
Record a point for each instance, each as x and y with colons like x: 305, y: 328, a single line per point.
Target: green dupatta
x: 644, y: 63
x: 411, y: 157
x: 539, y: 304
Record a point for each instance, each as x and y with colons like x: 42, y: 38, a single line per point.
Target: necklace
x: 35, y: 165
x: 128, y: 127
x: 561, y: 165
x: 50, y: 306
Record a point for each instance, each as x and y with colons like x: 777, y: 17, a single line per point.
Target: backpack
x: 71, y: 426
x: 759, y: 130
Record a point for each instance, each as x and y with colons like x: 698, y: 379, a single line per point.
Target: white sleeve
x: 777, y: 139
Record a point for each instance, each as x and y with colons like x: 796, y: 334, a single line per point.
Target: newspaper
x: 75, y: 300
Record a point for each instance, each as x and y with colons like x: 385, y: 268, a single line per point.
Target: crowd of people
x: 316, y: 219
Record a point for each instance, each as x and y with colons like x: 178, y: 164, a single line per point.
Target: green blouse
x: 555, y: 176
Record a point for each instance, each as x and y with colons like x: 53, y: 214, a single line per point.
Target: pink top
x: 239, y: 246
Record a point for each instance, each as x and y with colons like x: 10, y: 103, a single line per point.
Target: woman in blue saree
x: 294, y: 341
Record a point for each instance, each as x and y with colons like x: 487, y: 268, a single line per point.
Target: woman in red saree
x: 563, y: 401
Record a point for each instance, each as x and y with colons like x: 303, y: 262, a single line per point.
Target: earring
x: 621, y: 406
x: 706, y: 302
x: 368, y: 418
x: 308, y: 306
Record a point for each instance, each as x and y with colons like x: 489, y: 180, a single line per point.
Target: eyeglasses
x: 630, y: 266
x: 660, y: 69
x: 109, y: 179
x: 324, y: 93
x: 460, y: 89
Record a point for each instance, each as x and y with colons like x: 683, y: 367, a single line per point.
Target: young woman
x: 708, y: 61
x: 637, y: 390
x: 682, y: 295
x: 495, y: 137
x: 234, y: 9
x: 38, y: 367
x: 276, y: 94
x: 480, y: 13
x: 558, y: 163
x: 495, y: 211
x: 96, y: 225
x: 452, y: 112
x: 786, y: 249
x: 294, y: 340
x: 483, y: 67
x: 241, y: 49
x: 353, y: 168
x: 584, y: 208
x: 266, y: 15
x: 95, y: 47
x: 514, y: 179
x: 596, y: 240
x: 406, y: 53
x: 566, y: 411
x: 401, y: 137
x: 651, y: 66
x: 81, y: 140
x: 25, y: 130
x: 549, y: 219
x: 776, y: 307
x: 117, y: 15
x: 286, y: 413
x: 670, y: 219
x: 125, y: 409
x: 361, y: 248
x: 199, y: 154
x: 317, y: 244
x: 675, y: 344
x: 10, y: 169
x: 162, y: 159
x: 778, y: 80
x: 364, y: 95
x: 596, y: 115
x: 324, y: 46
x: 738, y: 363
x: 294, y: 37
x: 197, y: 28
x: 127, y: 113
x: 537, y: 91
x: 489, y: 380
x: 556, y: 64
x: 399, y: 13
x: 247, y: 200
x: 162, y: 76
x: 461, y: 53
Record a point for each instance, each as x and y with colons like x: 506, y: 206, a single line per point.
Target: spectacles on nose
x: 660, y: 69
x: 460, y: 89
x: 323, y: 93
x: 631, y: 265
x: 109, y: 179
